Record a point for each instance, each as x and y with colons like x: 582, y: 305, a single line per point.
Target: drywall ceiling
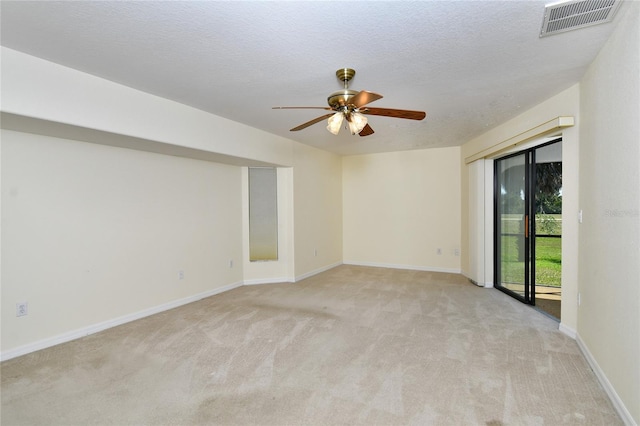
x: 470, y: 65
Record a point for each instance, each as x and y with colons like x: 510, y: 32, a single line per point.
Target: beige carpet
x: 354, y: 345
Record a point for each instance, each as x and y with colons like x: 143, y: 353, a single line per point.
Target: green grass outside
x: 548, y: 261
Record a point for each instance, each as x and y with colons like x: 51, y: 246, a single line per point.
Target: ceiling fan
x: 350, y: 105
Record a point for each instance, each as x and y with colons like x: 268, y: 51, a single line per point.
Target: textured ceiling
x: 469, y: 64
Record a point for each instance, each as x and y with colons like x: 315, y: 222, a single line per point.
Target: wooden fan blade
x: 327, y: 108
x: 396, y: 113
x: 362, y: 98
x: 312, y: 122
x: 366, y: 131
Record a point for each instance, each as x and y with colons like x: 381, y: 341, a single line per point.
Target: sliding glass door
x: 528, y: 225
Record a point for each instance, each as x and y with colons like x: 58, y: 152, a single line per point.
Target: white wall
x: 609, y: 257
x: 94, y: 234
x: 317, y: 177
x: 400, y: 207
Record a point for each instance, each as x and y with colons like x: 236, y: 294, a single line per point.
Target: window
x: 263, y: 214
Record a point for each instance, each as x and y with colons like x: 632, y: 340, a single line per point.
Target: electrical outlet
x: 230, y: 263
x: 456, y: 252
x: 181, y: 274
x: 22, y: 309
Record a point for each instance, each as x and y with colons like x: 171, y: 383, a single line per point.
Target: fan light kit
x: 349, y: 105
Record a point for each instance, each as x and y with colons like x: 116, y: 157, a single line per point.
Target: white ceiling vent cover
x: 574, y: 14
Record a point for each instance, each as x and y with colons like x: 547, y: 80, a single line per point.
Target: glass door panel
x: 548, y: 228
x: 511, y: 225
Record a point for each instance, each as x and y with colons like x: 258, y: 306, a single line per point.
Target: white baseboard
x: 567, y: 330
x: 95, y: 328
x: 317, y: 271
x: 486, y: 284
x: 608, y: 388
x: 277, y: 280
x: 401, y: 266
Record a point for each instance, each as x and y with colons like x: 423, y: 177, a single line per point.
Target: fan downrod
x: 340, y: 99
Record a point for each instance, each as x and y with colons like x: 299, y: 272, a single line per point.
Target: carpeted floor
x: 353, y: 345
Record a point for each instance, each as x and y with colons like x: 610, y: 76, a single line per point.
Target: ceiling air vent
x: 574, y: 14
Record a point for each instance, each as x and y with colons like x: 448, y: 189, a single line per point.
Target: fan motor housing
x: 340, y: 98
